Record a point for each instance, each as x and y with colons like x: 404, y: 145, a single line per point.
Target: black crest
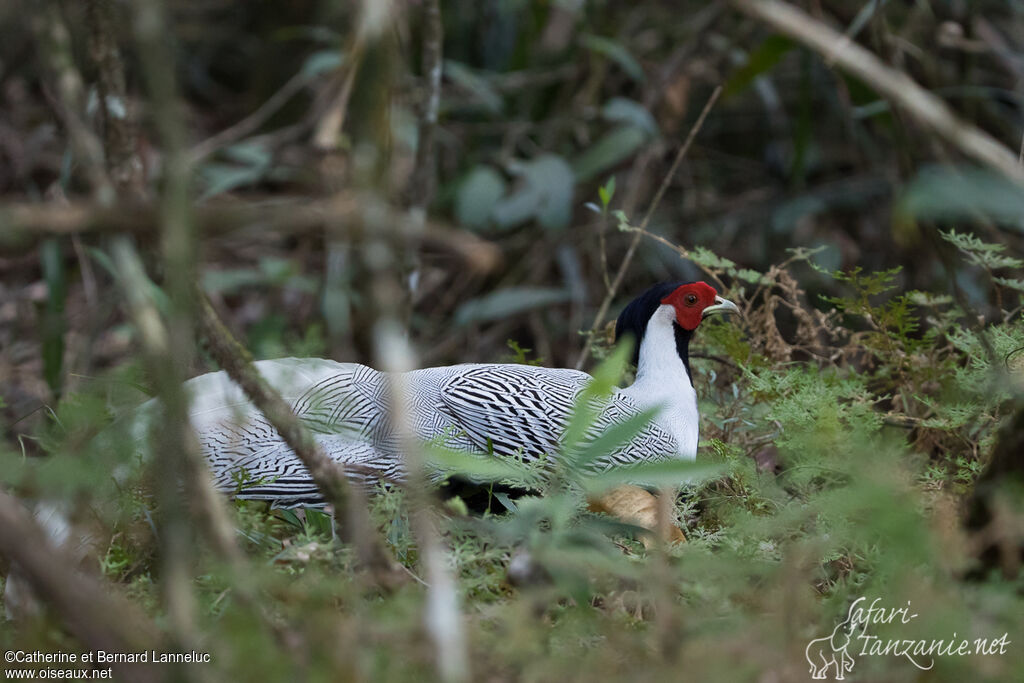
x: 635, y: 316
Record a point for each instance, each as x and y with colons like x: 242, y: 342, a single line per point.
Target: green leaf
x: 981, y: 253
x: 321, y: 62
x: 255, y: 154
x: 616, y: 52
x: 866, y: 14
x: 705, y: 257
x: 477, y: 196
x: 470, y: 81
x: 751, y: 276
x: 928, y: 299
x: 589, y: 402
x: 221, y: 178
x: 609, y: 372
x: 271, y: 272
x: 504, y: 499
x: 962, y: 193
x: 622, y: 110
x: 317, y: 522
x: 606, y: 192
x: 545, y: 193
x: 615, y: 147
x: 616, y: 436
x: 231, y: 280
x: 290, y: 517
x: 1013, y: 283
x: 480, y: 468
x: 668, y: 472
x: 508, y: 302
x: 761, y: 59
x: 157, y: 295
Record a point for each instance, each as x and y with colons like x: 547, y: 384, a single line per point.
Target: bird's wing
x: 521, y: 409
x: 342, y: 404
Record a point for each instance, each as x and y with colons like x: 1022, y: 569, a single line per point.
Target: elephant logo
x: 832, y: 651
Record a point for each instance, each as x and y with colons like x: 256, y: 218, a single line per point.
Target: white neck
x: 662, y: 380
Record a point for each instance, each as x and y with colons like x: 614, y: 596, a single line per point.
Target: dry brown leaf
x: 636, y: 506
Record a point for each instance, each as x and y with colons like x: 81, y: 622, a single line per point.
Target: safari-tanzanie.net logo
x: 833, y: 656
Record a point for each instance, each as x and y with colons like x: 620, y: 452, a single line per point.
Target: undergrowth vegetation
x: 324, y: 174
x: 840, y: 438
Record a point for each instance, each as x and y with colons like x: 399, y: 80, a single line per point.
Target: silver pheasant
x: 504, y: 409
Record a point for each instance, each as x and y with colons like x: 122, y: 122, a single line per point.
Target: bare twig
x: 99, y: 620
x: 419, y: 190
x: 68, y: 98
x: 678, y: 248
x: 620, y: 275
x: 25, y: 224
x: 328, y: 475
x: 328, y: 127
x: 422, y: 180
x: 119, y: 133
x: 441, y: 617
x: 170, y: 364
x: 395, y: 356
x: 154, y: 337
x: 208, y: 509
x: 896, y: 86
x: 250, y: 123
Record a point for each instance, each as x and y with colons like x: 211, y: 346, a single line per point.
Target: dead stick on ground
x: 628, y: 258
x: 896, y: 86
x: 98, y: 619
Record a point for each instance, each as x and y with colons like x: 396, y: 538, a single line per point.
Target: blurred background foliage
x: 848, y: 416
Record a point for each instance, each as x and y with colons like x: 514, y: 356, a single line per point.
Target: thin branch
x: 678, y: 248
x: 120, y: 142
x: 442, y: 612
x: 680, y: 156
x: 419, y: 190
x: 628, y: 258
x: 98, y: 619
x: 343, y: 215
x: 208, y: 510
x: 896, y: 86
x: 328, y: 475
x: 68, y: 97
x: 717, y: 359
x: 170, y: 364
x: 396, y: 358
x: 422, y: 180
x: 250, y: 123
x: 329, y: 124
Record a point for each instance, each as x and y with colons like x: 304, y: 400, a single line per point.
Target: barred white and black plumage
x: 506, y: 409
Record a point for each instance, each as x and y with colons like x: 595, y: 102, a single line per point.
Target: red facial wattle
x: 690, y: 301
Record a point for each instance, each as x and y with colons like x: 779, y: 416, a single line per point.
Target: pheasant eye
x: 691, y: 299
